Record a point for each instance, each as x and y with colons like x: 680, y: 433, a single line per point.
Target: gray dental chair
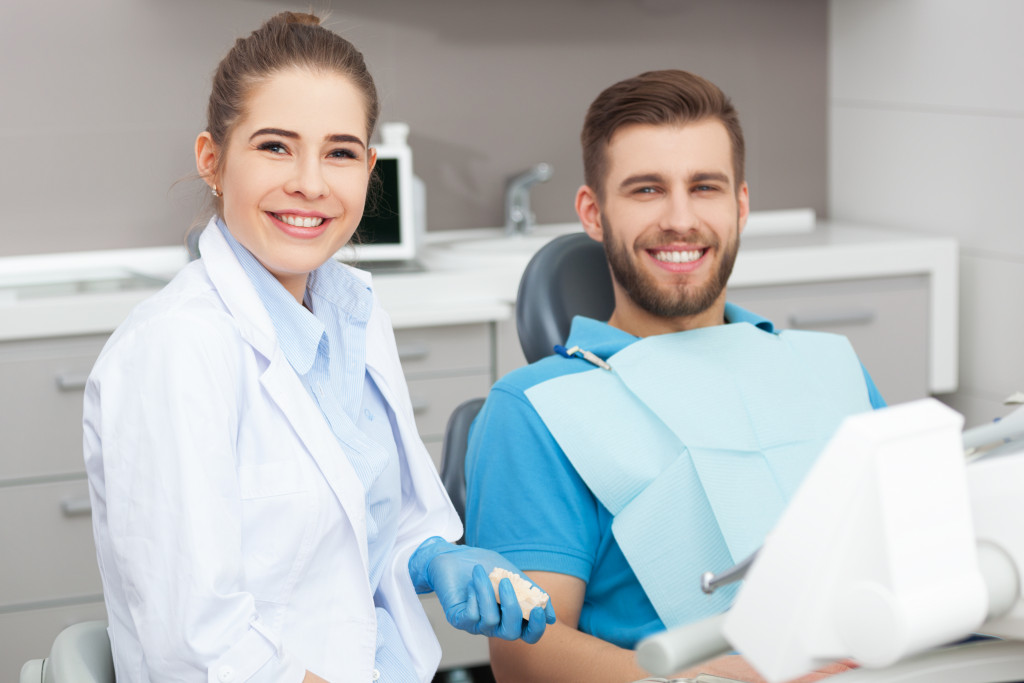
x: 80, y: 654
x: 568, y: 276
x: 453, y: 452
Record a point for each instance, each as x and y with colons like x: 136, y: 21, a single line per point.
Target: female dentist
x: 263, y: 507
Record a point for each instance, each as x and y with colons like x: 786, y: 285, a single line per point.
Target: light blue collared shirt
x: 325, y: 343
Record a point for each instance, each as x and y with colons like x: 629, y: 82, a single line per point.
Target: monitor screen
x: 387, y: 231
x: 380, y: 224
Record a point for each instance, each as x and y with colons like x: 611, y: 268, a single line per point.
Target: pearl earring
x: 216, y: 192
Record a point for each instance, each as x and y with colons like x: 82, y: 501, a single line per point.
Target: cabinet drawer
x: 886, y: 320
x: 426, y: 351
x: 29, y: 635
x: 458, y: 648
x: 41, y: 404
x: 434, y: 399
x: 47, y: 542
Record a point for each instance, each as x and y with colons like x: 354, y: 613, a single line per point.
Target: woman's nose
x: 308, y: 180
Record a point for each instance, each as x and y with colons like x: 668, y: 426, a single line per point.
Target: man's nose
x: 678, y: 213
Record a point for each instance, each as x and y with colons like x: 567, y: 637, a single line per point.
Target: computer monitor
x: 387, y: 231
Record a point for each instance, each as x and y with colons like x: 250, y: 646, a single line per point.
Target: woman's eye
x: 275, y: 147
x: 343, y: 154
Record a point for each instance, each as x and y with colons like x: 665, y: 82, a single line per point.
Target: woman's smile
x: 298, y: 221
x: 302, y: 227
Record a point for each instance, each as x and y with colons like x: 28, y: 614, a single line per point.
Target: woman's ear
x: 588, y: 208
x: 207, y: 154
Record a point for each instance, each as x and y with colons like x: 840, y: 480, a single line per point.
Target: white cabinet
x: 41, y: 405
x: 444, y: 365
x: 47, y: 536
x: 886, y: 319
x: 49, y: 577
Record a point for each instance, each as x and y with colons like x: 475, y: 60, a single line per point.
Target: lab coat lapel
x: 384, y: 367
x: 282, y: 384
x: 286, y: 390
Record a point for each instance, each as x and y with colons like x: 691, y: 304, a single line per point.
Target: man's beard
x: 667, y: 302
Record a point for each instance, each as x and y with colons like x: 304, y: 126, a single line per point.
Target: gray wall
x: 102, y: 100
x: 927, y: 134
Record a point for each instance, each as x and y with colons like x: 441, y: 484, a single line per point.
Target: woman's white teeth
x: 299, y: 221
x: 678, y: 256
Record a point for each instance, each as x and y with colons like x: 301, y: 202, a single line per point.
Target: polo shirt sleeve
x: 524, y: 499
x: 873, y: 394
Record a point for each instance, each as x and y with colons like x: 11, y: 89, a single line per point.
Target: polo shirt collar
x: 735, y: 314
x: 605, y: 340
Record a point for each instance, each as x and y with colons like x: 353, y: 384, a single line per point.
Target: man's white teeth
x: 678, y: 256
x: 299, y: 221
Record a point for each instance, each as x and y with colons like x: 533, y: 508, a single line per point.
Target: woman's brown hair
x: 286, y: 41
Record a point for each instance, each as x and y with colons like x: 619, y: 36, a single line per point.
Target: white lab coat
x: 210, y: 469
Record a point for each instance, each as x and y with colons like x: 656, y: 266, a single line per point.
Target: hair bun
x: 294, y: 18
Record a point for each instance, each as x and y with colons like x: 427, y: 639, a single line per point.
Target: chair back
x: 80, y: 654
x: 453, y: 452
x: 568, y: 276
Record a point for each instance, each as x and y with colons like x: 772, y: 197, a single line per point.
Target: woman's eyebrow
x: 280, y: 132
x: 344, y: 137
x: 275, y: 131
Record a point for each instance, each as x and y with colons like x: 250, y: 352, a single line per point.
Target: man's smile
x: 677, y: 255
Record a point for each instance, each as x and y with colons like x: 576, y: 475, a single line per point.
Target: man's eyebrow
x: 705, y: 176
x: 641, y: 178
x: 280, y: 132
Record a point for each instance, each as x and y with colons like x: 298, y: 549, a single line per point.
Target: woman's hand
x: 458, y: 574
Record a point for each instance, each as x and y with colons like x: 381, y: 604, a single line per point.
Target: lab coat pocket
x: 270, y: 479
x: 277, y: 520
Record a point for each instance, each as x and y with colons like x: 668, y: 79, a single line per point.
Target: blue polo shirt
x: 526, y: 501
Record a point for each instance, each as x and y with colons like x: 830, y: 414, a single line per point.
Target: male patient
x: 614, y: 489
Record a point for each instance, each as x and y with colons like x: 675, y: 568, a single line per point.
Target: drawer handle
x: 72, y: 381
x: 413, y: 351
x: 812, y: 320
x: 76, y: 507
x: 420, y: 406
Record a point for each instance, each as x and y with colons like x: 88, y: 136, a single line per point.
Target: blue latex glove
x: 458, y: 574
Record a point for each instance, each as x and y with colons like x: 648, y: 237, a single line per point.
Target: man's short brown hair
x: 655, y: 97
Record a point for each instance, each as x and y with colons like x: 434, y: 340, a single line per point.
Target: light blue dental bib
x: 695, y: 441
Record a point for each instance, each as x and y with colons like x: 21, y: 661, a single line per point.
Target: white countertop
x: 466, y: 281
